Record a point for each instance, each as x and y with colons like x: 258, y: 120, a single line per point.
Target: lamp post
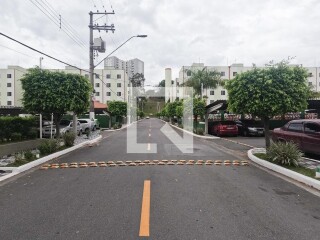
x: 92, y: 67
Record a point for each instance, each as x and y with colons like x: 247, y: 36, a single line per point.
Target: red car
x: 225, y: 128
x: 305, y: 133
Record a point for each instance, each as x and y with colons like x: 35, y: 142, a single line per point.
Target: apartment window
x: 172, y: 82
x: 223, y: 92
x: 108, y: 76
x: 234, y: 74
x: 310, y: 75
x: 310, y: 84
x: 97, y: 94
x: 222, y: 74
x: 8, y: 84
x: 118, y: 76
x: 118, y: 84
x: 9, y: 103
x: 108, y: 84
x: 97, y: 84
x: 8, y: 75
x: 118, y: 94
x: 188, y: 73
x: 211, y: 92
x: 97, y: 75
x: 9, y: 94
x: 108, y: 94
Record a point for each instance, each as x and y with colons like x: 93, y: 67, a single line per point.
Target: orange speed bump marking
x: 145, y: 211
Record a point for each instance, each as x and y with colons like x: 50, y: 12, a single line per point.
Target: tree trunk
x: 74, y: 125
x: 57, y: 119
x: 266, y: 124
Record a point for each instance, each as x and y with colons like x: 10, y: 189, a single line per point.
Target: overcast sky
x: 180, y: 32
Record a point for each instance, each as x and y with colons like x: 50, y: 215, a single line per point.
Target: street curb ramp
x: 25, y: 167
x: 286, y: 172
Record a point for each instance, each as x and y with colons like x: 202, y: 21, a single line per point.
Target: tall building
x: 131, y: 67
x: 227, y: 73
x: 109, y: 84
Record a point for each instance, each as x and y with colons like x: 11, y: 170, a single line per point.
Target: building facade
x: 109, y: 84
x: 227, y: 73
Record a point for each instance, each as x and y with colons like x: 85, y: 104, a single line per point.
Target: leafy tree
x: 265, y: 93
x: 162, y: 83
x: 48, y: 92
x: 137, y: 80
x: 209, y: 79
x: 117, y: 108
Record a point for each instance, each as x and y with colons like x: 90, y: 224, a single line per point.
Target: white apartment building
x: 227, y: 72
x: 109, y: 84
x: 131, y: 67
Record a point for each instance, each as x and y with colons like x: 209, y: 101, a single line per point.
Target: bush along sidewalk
x: 287, y: 155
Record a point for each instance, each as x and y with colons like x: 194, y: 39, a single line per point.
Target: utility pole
x: 40, y: 115
x: 92, y: 27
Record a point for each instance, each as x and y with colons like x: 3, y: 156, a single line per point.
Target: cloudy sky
x: 180, y: 32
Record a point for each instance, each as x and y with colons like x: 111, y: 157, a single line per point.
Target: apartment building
x: 109, y: 84
x: 227, y: 73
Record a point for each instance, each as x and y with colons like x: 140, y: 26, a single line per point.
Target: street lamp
x: 92, y: 67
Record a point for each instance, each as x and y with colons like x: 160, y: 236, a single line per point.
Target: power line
x: 17, y: 51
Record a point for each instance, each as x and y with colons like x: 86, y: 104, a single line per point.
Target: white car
x: 91, y: 123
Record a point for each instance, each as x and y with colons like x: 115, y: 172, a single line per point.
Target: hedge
x: 17, y: 128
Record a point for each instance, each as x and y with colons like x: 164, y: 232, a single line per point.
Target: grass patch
x: 305, y: 171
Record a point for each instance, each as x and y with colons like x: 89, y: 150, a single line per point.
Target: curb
x: 195, y: 135
x: 240, y: 143
x: 286, y: 172
x: 42, y: 160
x: 128, y: 125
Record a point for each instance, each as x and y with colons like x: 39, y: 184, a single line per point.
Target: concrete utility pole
x: 40, y: 115
x: 91, y: 49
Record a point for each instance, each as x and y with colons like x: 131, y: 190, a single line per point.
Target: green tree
x: 196, y: 107
x: 137, y: 80
x: 48, y: 92
x: 208, y: 79
x: 265, y: 93
x: 117, y: 109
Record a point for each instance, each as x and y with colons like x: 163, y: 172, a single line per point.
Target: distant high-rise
x: 131, y: 67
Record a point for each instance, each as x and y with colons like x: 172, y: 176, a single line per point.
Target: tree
x: 265, y: 93
x: 137, y: 80
x: 208, y: 79
x: 48, y: 92
x: 162, y: 83
x: 117, y: 109
x: 195, y: 106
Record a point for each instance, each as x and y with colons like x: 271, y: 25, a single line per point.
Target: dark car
x: 305, y: 133
x: 225, y: 128
x: 250, y: 128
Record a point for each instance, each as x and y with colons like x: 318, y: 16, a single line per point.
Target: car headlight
x: 252, y: 129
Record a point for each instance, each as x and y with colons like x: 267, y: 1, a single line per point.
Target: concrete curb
x: 40, y: 161
x: 195, y: 135
x: 286, y: 172
x: 128, y: 125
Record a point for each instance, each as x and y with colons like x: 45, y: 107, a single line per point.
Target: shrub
x: 29, y: 156
x: 68, y: 139
x: 200, y: 131
x: 16, y: 136
x: 48, y: 146
x: 32, y: 134
x: 284, y: 153
x: 10, y: 125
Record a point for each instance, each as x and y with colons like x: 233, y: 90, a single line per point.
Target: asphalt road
x: 186, y: 202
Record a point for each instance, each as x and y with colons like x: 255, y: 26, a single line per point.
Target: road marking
x: 149, y: 134
x: 145, y: 211
x: 149, y: 146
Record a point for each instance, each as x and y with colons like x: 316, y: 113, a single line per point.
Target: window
x: 188, y: 73
x: 118, y: 76
x: 310, y: 84
x: 234, y: 74
x: 295, y: 127
x: 108, y: 84
x: 310, y: 75
x: 9, y: 103
x: 8, y: 84
x: 108, y: 76
x: 97, y: 94
x: 222, y: 74
x: 118, y: 84
x: 311, y: 128
x: 118, y: 94
x: 223, y: 92
x: 97, y: 84
x: 97, y: 75
x: 8, y: 75
x: 108, y: 94
x: 9, y: 94
x: 211, y: 92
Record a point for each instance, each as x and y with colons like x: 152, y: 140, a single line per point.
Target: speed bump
x: 110, y: 162
x: 137, y: 161
x: 180, y: 163
x: 146, y: 161
x: 236, y: 163
x: 103, y: 165
x: 155, y: 161
x: 165, y: 161
x: 132, y: 164
x: 151, y: 163
x: 83, y: 165
x: 244, y: 163
x: 170, y: 163
x: 128, y: 162
x: 190, y: 163
x: 161, y: 163
x: 44, y: 167
x: 218, y: 162
x: 102, y: 162
x: 142, y: 164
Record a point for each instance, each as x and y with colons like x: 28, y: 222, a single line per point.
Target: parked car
x: 85, y: 125
x: 65, y: 126
x: 225, y: 128
x: 305, y: 133
x: 94, y: 124
x: 250, y: 128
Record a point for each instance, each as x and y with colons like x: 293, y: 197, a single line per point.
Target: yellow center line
x: 145, y: 211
